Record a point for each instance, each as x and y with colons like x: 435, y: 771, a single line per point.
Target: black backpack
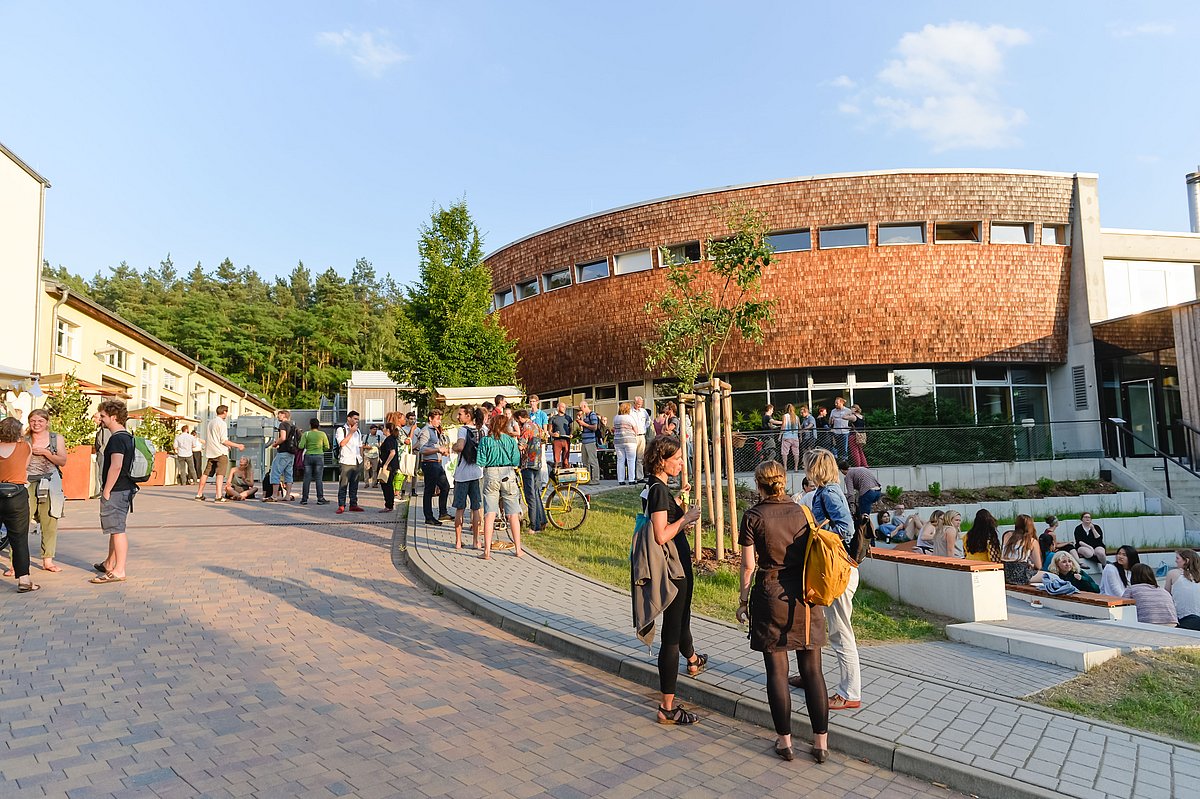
x: 292, y: 443
x: 470, y: 450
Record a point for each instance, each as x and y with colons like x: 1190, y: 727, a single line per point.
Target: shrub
x: 1018, y: 491
x: 156, y: 430
x: 893, y: 493
x: 1089, y: 485
x: 1045, y: 485
x: 962, y: 493
x: 70, y: 413
x: 995, y: 493
x: 935, y: 490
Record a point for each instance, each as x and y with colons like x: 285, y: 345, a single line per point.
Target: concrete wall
x: 962, y: 595
x: 983, y: 475
x: 1186, y: 321
x: 21, y: 197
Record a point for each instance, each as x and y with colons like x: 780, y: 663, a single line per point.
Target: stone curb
x: 878, y: 751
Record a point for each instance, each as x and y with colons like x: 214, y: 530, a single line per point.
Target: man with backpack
x: 287, y: 439
x: 468, y: 474
x: 589, y: 420
x: 116, y: 494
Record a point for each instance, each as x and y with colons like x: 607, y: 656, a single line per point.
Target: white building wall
x: 20, y: 263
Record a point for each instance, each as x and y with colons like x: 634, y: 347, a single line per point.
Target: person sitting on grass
x: 982, y: 542
x: 1154, y: 605
x: 1021, y: 554
x: 1116, y: 576
x: 241, y: 481
x: 1065, y: 565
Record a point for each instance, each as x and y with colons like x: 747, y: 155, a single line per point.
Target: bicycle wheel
x: 566, y: 507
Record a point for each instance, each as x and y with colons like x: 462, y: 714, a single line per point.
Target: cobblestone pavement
x: 275, y: 651
x: 951, y: 704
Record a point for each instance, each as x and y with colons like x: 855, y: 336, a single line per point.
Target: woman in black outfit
x: 389, y: 454
x: 774, y: 533
x: 670, y: 522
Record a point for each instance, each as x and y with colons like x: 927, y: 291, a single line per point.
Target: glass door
x: 1139, y: 409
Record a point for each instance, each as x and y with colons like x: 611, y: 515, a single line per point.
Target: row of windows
x: 798, y: 240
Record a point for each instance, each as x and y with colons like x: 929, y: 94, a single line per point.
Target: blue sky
x: 273, y: 132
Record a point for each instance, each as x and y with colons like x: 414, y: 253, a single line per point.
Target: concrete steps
x: 1077, y: 655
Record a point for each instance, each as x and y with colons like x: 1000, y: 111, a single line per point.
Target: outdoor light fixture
x: 107, y: 351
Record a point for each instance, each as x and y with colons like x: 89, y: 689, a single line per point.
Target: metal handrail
x: 1191, y: 437
x: 1121, y: 426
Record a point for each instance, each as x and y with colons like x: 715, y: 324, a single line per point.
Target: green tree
x: 708, y: 302
x: 70, y: 413
x: 450, y: 338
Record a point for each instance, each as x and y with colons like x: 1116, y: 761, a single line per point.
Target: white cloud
x: 843, y: 82
x: 945, y: 86
x: 371, y: 53
x: 1142, y: 29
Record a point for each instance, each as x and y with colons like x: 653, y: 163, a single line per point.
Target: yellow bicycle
x: 565, y: 505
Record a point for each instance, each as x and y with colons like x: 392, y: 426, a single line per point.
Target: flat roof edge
x: 1131, y: 232
x: 802, y: 179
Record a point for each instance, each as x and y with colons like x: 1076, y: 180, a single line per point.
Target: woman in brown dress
x: 774, y: 536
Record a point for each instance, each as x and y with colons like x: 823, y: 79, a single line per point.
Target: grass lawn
x: 600, y: 549
x: 1158, y: 692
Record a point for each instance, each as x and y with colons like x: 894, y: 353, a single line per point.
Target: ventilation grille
x: 1079, y: 379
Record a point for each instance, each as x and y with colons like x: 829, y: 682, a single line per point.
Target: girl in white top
x: 625, y: 433
x: 1116, y: 577
x: 1183, y: 583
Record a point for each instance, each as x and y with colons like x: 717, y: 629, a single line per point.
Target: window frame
x: 686, y: 260
x: 566, y: 270
x: 1026, y: 226
x: 518, y: 289
x: 66, y: 339
x: 496, y: 295
x: 864, y: 226
x: 881, y: 226
x: 616, y: 265
x: 596, y: 262
x: 977, y: 225
x: 120, y: 354
x: 1056, y: 227
x: 791, y: 232
x: 170, y: 381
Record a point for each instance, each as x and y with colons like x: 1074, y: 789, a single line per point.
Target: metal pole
x: 1167, y: 475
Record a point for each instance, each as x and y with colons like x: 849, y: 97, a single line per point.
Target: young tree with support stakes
x: 706, y: 305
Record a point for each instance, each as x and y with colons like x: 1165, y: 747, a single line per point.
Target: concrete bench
x: 966, y: 590
x: 1081, y: 603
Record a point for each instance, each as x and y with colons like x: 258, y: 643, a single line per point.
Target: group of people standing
x: 841, y: 430
x: 774, y: 536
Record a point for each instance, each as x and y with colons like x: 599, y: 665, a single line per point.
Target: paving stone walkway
x: 276, y: 651
x: 946, y: 711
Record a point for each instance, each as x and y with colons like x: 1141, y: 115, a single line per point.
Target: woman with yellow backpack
x: 831, y: 510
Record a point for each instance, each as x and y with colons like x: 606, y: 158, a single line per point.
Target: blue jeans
x: 866, y: 499
x: 531, y: 482
x: 841, y: 444
x: 435, y: 478
x: 314, y: 470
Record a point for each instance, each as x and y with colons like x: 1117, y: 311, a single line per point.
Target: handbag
x: 10, y: 490
x: 408, y: 464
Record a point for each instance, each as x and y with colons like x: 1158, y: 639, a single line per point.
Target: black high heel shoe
x: 820, y: 755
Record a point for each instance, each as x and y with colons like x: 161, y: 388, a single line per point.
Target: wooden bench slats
x: 1083, y: 597
x: 934, y: 561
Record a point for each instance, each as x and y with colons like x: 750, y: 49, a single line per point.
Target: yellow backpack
x: 826, y: 564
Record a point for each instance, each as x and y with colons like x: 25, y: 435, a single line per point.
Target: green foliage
x: 935, y: 490
x: 893, y: 493
x: 1089, y: 485
x: 70, y: 414
x: 1018, y: 492
x: 707, y: 303
x: 995, y: 493
x: 450, y: 338
x: 288, y: 339
x: 1045, y: 485
x: 157, y: 430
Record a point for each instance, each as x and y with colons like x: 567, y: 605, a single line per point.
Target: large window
x: 66, y: 339
x: 593, y: 270
x: 503, y: 299
x: 791, y: 240
x: 527, y: 289
x: 629, y: 262
x: 560, y: 278
x: 956, y: 232
x: 850, y: 236
x: 171, y: 381
x: 148, y: 382
x: 902, y: 233
x: 1011, y: 233
x: 686, y: 253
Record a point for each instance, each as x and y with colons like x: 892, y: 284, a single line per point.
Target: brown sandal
x: 25, y: 588
x: 676, y: 715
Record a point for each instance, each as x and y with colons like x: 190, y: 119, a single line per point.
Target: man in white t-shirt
x: 184, y: 445
x: 642, y: 419
x: 350, y: 462
x: 216, y: 450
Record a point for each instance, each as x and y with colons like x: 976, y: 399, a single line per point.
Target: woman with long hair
x: 1048, y: 541
x: 14, y: 500
x: 389, y: 461
x: 774, y: 539
x: 790, y: 443
x: 924, y: 543
x: 983, y: 542
x: 1020, y: 553
x: 625, y: 433
x: 830, y: 505
x: 499, y: 455
x: 1089, y: 541
x: 858, y: 437
x: 1116, y: 577
x: 1153, y: 604
x: 241, y: 481
x: 1184, y: 584
x: 669, y: 523
x: 1065, y: 566
x: 945, y: 540
x: 45, y: 482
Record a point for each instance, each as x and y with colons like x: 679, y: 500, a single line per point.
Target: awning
x: 54, y: 382
x: 12, y: 373
x: 140, y: 412
x: 474, y: 395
